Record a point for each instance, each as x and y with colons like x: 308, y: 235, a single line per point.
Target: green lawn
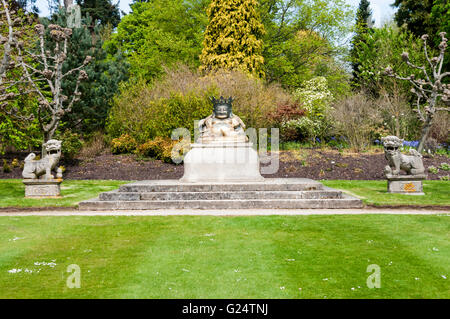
x: 437, y: 193
x: 12, y: 193
x: 73, y: 191
x: 226, y: 257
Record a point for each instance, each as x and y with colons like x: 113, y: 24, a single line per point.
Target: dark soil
x: 307, y: 163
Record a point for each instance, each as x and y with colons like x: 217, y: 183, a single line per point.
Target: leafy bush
x: 146, y: 111
x: 433, y: 169
x: 15, y: 163
x: 6, y: 167
x: 71, y: 144
x: 161, y: 148
x: 123, y: 144
x: 445, y: 167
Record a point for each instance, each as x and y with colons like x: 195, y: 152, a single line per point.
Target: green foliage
x: 445, y: 167
x: 303, y: 40
x: 6, y: 167
x: 101, y: 11
x: 161, y: 148
x: 363, y: 26
x: 71, y: 144
x: 160, y: 33
x: 433, y: 169
x: 383, y: 47
x: 123, y: 144
x: 146, y: 111
x: 416, y: 16
x: 233, y: 37
x: 15, y: 163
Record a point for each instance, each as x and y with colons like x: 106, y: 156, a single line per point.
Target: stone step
x: 344, y: 202
x: 272, y: 184
x: 161, y: 196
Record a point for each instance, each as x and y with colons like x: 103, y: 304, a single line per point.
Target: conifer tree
x: 233, y: 37
x: 364, y: 23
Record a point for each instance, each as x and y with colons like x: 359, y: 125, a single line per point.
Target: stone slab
x: 268, y: 184
x: 42, y: 188
x: 115, y: 195
x: 420, y: 177
x: 95, y: 204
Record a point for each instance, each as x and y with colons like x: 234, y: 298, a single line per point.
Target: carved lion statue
x: 412, y: 164
x: 42, y: 169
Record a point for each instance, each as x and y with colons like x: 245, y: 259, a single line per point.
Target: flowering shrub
x: 316, y: 98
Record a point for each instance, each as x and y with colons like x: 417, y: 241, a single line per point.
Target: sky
x: 381, y: 9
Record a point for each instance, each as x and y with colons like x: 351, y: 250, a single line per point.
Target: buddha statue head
x: 222, y: 107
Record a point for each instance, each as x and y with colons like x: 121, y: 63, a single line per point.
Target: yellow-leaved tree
x: 233, y: 37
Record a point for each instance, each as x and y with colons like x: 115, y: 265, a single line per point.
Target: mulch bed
x: 311, y: 163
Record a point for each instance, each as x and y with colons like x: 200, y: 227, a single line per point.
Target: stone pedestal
x: 221, y: 162
x: 42, y: 188
x: 406, y: 184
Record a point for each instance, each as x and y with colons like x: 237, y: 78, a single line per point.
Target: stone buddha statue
x: 222, y: 125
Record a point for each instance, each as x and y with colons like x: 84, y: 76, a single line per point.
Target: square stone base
x: 42, y: 188
x: 406, y: 184
x: 221, y: 162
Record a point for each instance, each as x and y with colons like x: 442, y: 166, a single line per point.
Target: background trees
x: 299, y: 50
x: 160, y: 33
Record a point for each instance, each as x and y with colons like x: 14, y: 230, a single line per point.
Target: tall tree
x: 160, y: 33
x: 305, y: 39
x: 416, y: 16
x: 363, y: 25
x: 101, y: 11
x: 233, y: 37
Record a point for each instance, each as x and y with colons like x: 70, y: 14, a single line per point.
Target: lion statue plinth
x: 411, y: 164
x: 42, y: 169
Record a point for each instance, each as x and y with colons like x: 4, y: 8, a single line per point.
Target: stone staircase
x: 289, y: 193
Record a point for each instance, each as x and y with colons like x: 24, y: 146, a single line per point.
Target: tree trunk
x: 425, y: 131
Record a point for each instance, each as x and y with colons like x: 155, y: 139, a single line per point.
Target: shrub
x: 445, y: 167
x: 15, y: 163
x: 145, y: 111
x: 6, y: 167
x: 356, y: 118
x: 316, y: 99
x: 433, y: 170
x: 161, y: 148
x: 123, y: 144
x: 71, y: 144
x: 95, y: 146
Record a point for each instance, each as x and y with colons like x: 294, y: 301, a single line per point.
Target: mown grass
x: 372, y: 192
x: 437, y: 193
x: 12, y: 193
x: 226, y: 257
